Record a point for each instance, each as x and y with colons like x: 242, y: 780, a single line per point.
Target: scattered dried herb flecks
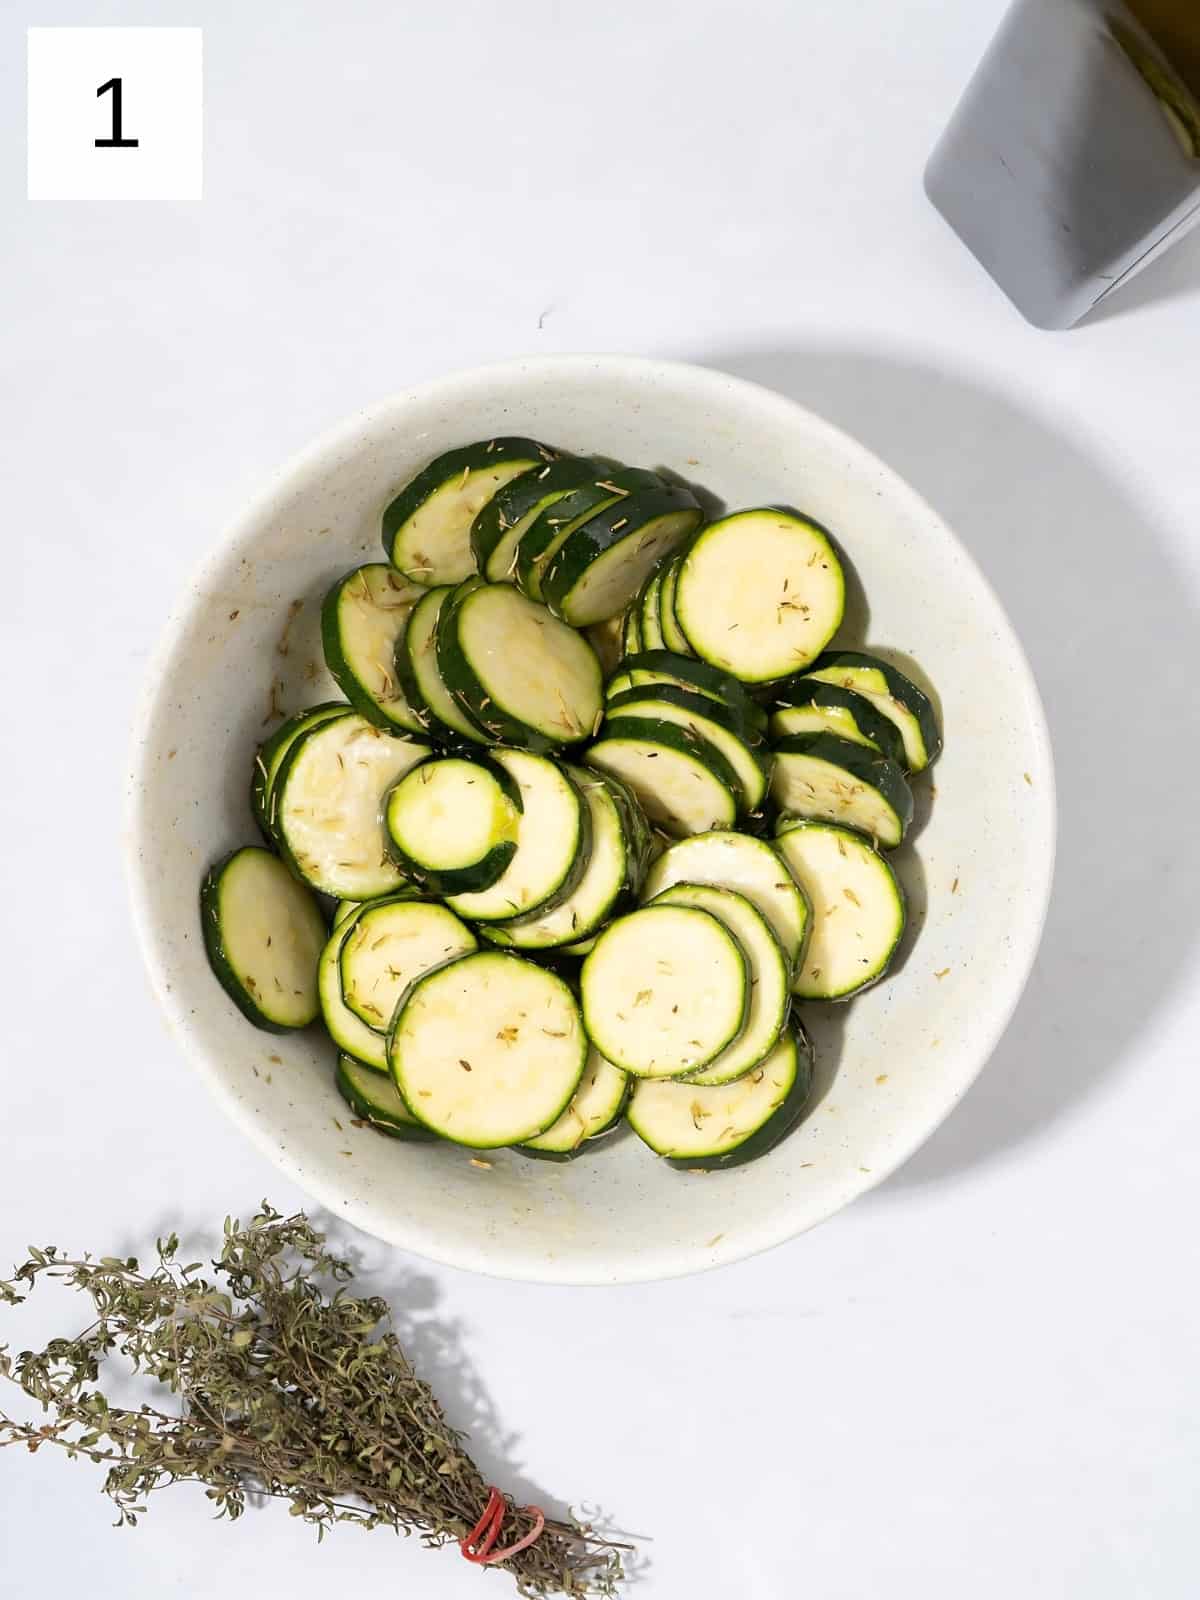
x: 285, y: 1389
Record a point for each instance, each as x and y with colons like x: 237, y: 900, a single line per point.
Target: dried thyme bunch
x: 285, y: 1390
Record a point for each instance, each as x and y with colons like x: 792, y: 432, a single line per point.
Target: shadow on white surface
x: 1113, y: 636
x: 1175, y: 275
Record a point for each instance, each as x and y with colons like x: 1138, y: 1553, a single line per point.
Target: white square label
x: 115, y: 114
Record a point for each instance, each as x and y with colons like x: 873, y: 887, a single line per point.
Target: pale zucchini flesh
x: 594, y: 1108
x: 826, y: 779
x: 488, y: 1050
x: 673, y: 635
x: 390, y: 947
x: 770, y: 977
x: 419, y: 647
x: 748, y: 866
x: 664, y: 990
x: 682, y: 782
x: 263, y: 933
x: 858, y: 909
x: 760, y: 593
x: 609, y: 581
x: 350, y: 1033
x: 270, y: 756
x: 814, y: 706
x: 747, y: 756
x: 453, y: 824
x: 652, y: 634
x: 373, y: 1096
x: 892, y: 693
x: 328, y: 806
x: 362, y: 620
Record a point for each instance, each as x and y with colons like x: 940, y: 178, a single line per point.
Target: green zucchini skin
x: 516, y: 500
x: 342, y: 672
x: 370, y: 1101
x: 900, y: 687
x: 674, y: 637
x: 631, y: 632
x: 556, y: 522
x: 648, y: 603
x: 469, y: 735
x: 269, y: 759
x: 450, y: 465
x: 611, y: 527
x: 480, y: 874
x: 690, y: 673
x: 749, y: 757
x: 862, y: 764
x: 748, y: 730
x: 218, y: 958
x: 776, y: 1128
x: 871, y: 724
x: 671, y: 736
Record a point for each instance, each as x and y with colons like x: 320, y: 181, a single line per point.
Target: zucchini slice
x: 419, y: 673
x: 631, y: 631
x: 749, y: 866
x: 810, y: 705
x: 673, y: 635
x: 328, y: 804
x: 595, y: 1108
x: 652, y: 634
x: 453, y: 823
x: 269, y: 758
x: 685, y: 672
x: 823, y: 778
x: 760, y: 593
x: 344, y: 909
x: 553, y: 844
x: 516, y: 670
x: 362, y: 618
x: 770, y: 977
x: 374, y: 1097
x: 427, y: 527
x: 665, y: 990
x: 683, y: 783
x: 745, y: 751
x: 613, y: 875
x: 699, y: 1129
x: 391, y: 946
x: 263, y: 933
x: 350, y: 1033
x: 541, y: 540
x: 858, y: 909
x: 605, y: 639
x: 499, y: 528
x: 488, y: 1050
x: 892, y: 694
x: 601, y: 564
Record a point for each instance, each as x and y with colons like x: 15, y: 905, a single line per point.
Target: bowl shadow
x: 1113, y: 634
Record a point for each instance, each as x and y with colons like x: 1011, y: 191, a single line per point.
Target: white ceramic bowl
x: 892, y: 1064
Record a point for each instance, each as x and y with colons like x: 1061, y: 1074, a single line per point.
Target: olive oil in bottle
x: 1073, y: 158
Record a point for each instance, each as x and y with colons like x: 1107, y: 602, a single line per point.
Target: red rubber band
x: 479, y: 1544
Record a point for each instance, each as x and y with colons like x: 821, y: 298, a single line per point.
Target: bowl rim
x: 770, y: 1232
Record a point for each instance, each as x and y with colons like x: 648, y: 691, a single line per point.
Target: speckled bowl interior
x: 891, y: 1064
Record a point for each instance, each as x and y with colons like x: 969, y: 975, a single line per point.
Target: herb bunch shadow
x: 286, y: 1389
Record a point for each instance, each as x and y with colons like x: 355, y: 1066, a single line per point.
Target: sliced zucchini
x: 745, y: 751
x: 542, y: 539
x: 631, y: 630
x: 699, y: 1129
x: 665, y: 990
x: 751, y: 867
x: 813, y: 706
x: 760, y: 593
x: 595, y: 1108
x: 685, y: 672
x: 823, y: 778
x: 605, y: 639
x: 652, y: 634
x: 858, y: 908
x: 362, y: 618
x: 488, y: 1050
x: 344, y: 909
x: 269, y: 758
x: 263, y: 933
x: 613, y: 874
x: 328, y: 805
x: 452, y: 823
x: 427, y: 527
x: 553, y: 844
x: 350, y: 1033
x: 601, y: 564
x: 374, y: 1097
x: 516, y: 670
x: 892, y: 694
x: 682, y: 782
x: 391, y: 946
x: 770, y: 977
x: 673, y: 635
x: 499, y: 528
x: 417, y: 668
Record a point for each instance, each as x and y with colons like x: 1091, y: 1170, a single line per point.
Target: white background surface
x: 978, y: 1381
